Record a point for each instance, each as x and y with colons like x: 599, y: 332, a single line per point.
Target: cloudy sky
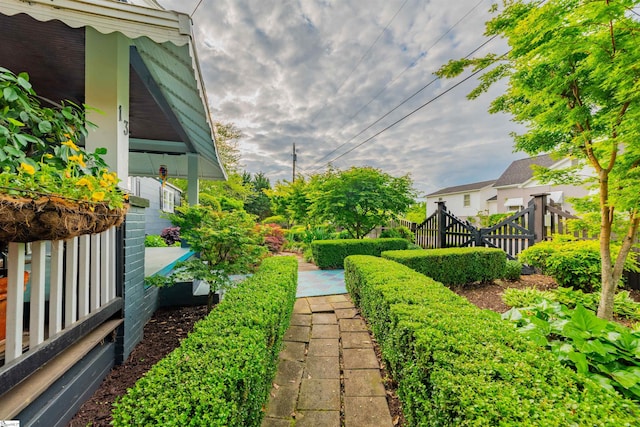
x: 323, y: 73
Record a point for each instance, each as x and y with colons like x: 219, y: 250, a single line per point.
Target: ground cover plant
x: 221, y: 374
x: 458, y: 365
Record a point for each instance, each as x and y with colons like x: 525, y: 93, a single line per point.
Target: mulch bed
x: 162, y: 334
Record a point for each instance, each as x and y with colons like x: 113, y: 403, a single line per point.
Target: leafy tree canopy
x: 574, y: 81
x: 361, y: 198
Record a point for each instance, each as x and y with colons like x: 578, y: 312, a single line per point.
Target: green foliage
x: 331, y: 253
x: 605, y: 352
x: 154, y: 241
x: 417, y: 212
x: 623, y: 305
x: 454, y: 266
x: 227, y: 243
x: 258, y: 202
x: 275, y: 219
x: 221, y: 374
x: 227, y: 137
x: 485, y: 221
x: 457, y: 365
x: 400, y: 232
x: 570, y: 262
x: 512, y: 270
x: 360, y: 199
x: 292, y: 200
x: 573, y: 85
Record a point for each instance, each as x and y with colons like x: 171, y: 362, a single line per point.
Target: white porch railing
x: 80, y: 273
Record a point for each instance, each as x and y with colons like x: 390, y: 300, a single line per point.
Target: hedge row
x: 221, y: 374
x: 454, y: 266
x: 331, y: 253
x: 457, y: 365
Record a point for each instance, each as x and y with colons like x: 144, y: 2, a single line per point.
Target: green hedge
x: 457, y: 365
x: 331, y: 253
x: 221, y: 374
x: 454, y: 266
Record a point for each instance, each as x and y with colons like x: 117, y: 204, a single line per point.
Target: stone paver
x: 297, y: 333
x: 363, y: 383
x: 318, y: 419
x: 366, y: 412
x: 324, y: 347
x: 319, y: 394
x: 325, y: 331
x: 359, y: 358
x: 293, y: 351
x: 346, y: 313
x: 302, y: 306
x: 324, y: 319
x: 356, y: 340
x: 353, y: 325
x: 322, y: 367
x: 301, y: 319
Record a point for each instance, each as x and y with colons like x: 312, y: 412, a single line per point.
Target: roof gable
x: 520, y: 171
x: 462, y: 188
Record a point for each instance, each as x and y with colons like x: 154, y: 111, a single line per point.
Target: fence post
x: 441, y: 237
x: 540, y: 210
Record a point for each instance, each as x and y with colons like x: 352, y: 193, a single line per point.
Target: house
x: 162, y: 200
x: 516, y: 185
x: 466, y: 200
x: 86, y: 304
x: 511, y: 192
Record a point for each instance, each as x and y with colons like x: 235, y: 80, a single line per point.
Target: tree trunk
x: 212, y: 299
x: 605, y: 307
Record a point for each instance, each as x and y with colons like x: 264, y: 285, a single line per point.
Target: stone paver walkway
x: 328, y: 375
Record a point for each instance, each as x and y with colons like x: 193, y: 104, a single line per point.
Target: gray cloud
x: 283, y: 72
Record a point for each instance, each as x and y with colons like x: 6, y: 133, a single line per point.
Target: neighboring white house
x: 509, y: 193
x: 465, y: 200
x: 162, y: 200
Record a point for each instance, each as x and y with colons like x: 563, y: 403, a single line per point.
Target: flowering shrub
x: 39, y: 151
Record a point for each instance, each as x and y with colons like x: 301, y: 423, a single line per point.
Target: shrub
x: 512, y: 270
x: 273, y: 237
x: 221, y: 374
x: 276, y: 219
x: 454, y: 266
x: 525, y: 297
x: 400, y: 232
x: 171, y: 235
x: 458, y: 365
x: 331, y: 253
x: 570, y: 262
x: 154, y: 241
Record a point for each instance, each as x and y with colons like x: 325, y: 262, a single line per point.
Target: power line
x: 361, y: 58
x: 196, y: 8
x: 410, y: 114
x: 396, y: 107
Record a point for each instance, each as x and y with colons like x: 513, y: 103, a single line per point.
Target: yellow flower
x: 48, y: 156
x: 103, y: 183
x: 97, y: 196
x: 71, y: 145
x: 26, y: 168
x: 110, y: 177
x: 78, y: 158
x: 86, y: 183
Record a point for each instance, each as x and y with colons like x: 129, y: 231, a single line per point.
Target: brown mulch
x: 162, y: 334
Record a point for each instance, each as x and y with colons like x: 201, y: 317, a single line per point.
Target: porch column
x: 193, y: 187
x: 107, y: 90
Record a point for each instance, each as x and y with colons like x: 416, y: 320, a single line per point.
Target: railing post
x: 539, y: 211
x: 441, y: 237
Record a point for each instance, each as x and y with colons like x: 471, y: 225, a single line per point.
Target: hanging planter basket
x: 54, y: 218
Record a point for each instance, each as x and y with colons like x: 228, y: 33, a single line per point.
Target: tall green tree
x: 227, y: 139
x: 574, y: 80
x: 361, y: 198
x: 292, y: 200
x: 257, y: 202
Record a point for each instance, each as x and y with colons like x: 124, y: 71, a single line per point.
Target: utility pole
x: 295, y: 158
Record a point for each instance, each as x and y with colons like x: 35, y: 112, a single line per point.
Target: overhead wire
x: 411, y: 65
x: 396, y: 107
x: 410, y: 114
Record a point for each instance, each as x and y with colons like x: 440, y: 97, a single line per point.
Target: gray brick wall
x: 139, y: 304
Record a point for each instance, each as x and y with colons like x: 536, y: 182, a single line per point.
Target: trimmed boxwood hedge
x: 457, y: 365
x: 454, y: 266
x: 331, y: 253
x: 221, y: 374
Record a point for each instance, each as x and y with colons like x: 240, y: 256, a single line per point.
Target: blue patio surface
x: 320, y: 282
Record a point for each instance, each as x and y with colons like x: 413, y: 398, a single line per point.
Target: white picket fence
x: 81, y: 275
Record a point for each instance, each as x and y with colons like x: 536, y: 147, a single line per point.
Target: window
x: 168, y: 196
x: 467, y: 200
